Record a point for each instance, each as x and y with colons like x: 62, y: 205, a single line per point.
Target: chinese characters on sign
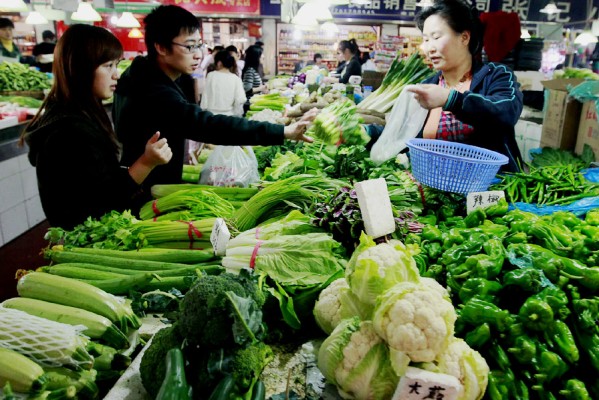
x: 418, y: 384
x: 483, y: 199
x: 218, y: 6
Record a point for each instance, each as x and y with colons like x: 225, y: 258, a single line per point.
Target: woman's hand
x: 429, y: 96
x: 297, y: 130
x: 157, y: 151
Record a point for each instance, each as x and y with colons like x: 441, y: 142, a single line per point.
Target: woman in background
x: 252, y: 83
x: 71, y: 140
x: 224, y: 92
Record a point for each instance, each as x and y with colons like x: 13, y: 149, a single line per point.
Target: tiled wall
x: 20, y: 207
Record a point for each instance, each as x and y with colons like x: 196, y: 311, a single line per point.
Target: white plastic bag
x: 405, y: 121
x: 230, y: 166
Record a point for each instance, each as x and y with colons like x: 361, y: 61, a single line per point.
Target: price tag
x: 418, y: 384
x: 219, y: 237
x: 476, y: 200
x: 375, y: 205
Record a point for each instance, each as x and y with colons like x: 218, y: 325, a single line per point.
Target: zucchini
x: 67, y: 256
x: 97, y: 326
x: 224, y: 390
x: 23, y: 374
x: 69, y: 271
x: 151, y: 254
x: 174, y: 386
x: 74, y: 293
x: 143, y: 284
x: 123, y: 284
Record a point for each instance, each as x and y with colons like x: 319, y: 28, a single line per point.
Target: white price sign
x: 476, y: 200
x: 219, y: 237
x: 418, y: 384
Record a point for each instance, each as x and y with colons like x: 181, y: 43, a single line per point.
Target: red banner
x: 218, y: 6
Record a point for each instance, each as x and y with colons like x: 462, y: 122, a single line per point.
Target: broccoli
x: 206, y: 314
x: 153, y: 368
x: 247, y: 366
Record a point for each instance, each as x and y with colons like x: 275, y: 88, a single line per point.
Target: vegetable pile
x: 19, y: 77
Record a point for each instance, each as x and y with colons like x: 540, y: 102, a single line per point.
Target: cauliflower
x: 433, y: 284
x: 327, y: 310
x: 466, y: 364
x: 416, y: 319
x: 335, y: 303
x: 356, y: 359
x: 373, y: 269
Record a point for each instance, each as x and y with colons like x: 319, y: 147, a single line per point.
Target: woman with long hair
x: 71, y: 140
x: 252, y: 83
x: 224, y: 92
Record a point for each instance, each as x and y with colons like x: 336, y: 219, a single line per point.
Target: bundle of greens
x: 401, y: 73
x: 338, y: 123
x: 271, y: 101
x: 294, y: 260
x: 556, y: 157
x: 201, y: 204
x: 19, y: 77
x: 278, y: 198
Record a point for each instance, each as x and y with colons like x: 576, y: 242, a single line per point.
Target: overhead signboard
x: 238, y: 7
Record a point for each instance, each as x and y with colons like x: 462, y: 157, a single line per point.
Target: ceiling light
x: 35, y: 18
x: 85, y: 12
x: 550, y: 8
x: 135, y: 34
x: 13, y: 5
x: 305, y: 17
x: 361, y: 2
x: 425, y: 3
x: 585, y: 38
x: 329, y: 27
x: 127, y: 20
x: 524, y: 34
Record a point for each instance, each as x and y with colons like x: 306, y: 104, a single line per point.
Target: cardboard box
x: 562, y: 115
x: 588, y: 130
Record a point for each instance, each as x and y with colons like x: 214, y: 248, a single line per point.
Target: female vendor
x: 469, y: 102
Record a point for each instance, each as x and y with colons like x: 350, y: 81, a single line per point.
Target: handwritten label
x: 220, y: 237
x: 483, y: 199
x: 418, y: 384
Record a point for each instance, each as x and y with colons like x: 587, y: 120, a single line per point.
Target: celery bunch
x: 401, y: 73
x: 201, y: 204
x: 271, y: 101
x: 338, y: 124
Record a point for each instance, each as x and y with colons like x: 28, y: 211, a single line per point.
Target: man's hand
x: 429, y: 96
x: 297, y: 131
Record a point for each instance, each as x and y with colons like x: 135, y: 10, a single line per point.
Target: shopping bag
x: 230, y: 166
x: 404, y: 123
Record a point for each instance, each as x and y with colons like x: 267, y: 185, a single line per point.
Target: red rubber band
x: 155, y: 208
x: 255, y: 254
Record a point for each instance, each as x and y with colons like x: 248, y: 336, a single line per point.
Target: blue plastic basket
x: 453, y: 167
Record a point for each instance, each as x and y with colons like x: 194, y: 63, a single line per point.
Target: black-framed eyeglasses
x: 191, y: 48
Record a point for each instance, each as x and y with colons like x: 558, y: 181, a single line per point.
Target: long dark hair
x: 252, y: 58
x: 227, y: 60
x: 350, y: 44
x: 79, y: 52
x: 460, y: 16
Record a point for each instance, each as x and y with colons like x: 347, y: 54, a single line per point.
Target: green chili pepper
x: 458, y: 254
x: 497, y: 210
x: 557, y: 300
x: 522, y: 392
x: 479, y: 336
x: 524, y: 349
x: 575, y: 390
x: 562, y: 340
x: 592, y: 217
x: 431, y: 233
x: 518, y: 237
x: 536, y: 314
x: 550, y: 366
x: 475, y: 218
x: 499, y: 356
x: 589, y: 344
x: 433, y: 250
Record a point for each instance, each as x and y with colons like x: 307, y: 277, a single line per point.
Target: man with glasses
x: 149, y: 99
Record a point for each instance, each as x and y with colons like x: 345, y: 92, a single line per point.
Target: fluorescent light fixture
x: 13, y: 5
x: 329, y: 27
x: 425, y: 3
x: 319, y: 9
x: 135, y: 34
x: 305, y: 17
x: 35, y: 18
x: 585, y: 38
x: 524, y: 34
x: 550, y: 8
x: 127, y: 20
x: 85, y: 12
x: 114, y: 19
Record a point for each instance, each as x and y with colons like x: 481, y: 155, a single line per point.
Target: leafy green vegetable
x: 19, y: 77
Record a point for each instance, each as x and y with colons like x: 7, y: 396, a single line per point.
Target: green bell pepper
x: 557, y: 300
x: 174, y: 386
x: 458, y: 254
x: 550, y: 366
x: 497, y: 210
x: 480, y: 287
x: 536, y: 314
x: 527, y: 279
x: 431, y: 233
x: 475, y: 218
x: 477, y: 311
x: 518, y: 237
x: 524, y: 349
x: 592, y: 217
